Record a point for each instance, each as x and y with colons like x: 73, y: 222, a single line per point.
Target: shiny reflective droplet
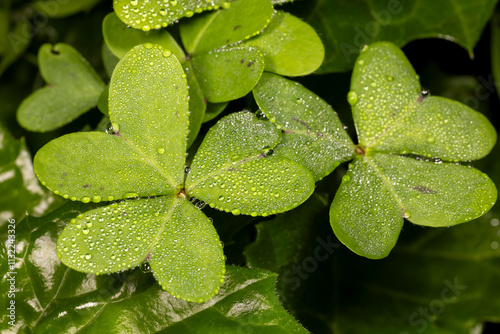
x: 161, y: 150
x: 144, y: 267
x: 406, y: 214
x: 346, y: 178
x: 236, y: 212
x: 85, y: 199
x: 352, y: 98
x: 112, y: 128
x: 167, y: 53
x: 88, y: 256
x: 430, y: 140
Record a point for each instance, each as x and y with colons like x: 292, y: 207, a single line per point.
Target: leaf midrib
x: 151, y: 162
x: 222, y: 169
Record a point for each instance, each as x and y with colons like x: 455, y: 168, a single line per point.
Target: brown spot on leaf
x: 86, y: 186
x: 250, y: 63
x: 237, y: 27
x: 425, y: 190
x: 242, y: 61
x: 64, y: 174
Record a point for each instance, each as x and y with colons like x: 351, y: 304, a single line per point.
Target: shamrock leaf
x: 69, y: 78
x: 51, y: 297
x: 143, y: 155
x: 394, y: 119
x: 147, y: 15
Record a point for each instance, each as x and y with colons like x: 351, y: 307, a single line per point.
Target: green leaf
x: 69, y: 78
x: 392, y: 115
x: 380, y: 190
x: 313, y: 134
x: 346, y: 26
x: 120, y: 38
x: 245, y: 18
x: 52, y: 298
x: 229, y: 73
x: 214, y: 110
x: 95, y: 166
x: 148, y: 102
x: 197, y: 103
x: 115, y: 237
x: 188, y: 261
x: 290, y: 46
x: 20, y: 191
x: 234, y: 169
x: 118, y: 237
x: 156, y: 14
x: 148, y: 109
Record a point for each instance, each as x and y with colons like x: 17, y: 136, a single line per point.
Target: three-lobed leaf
x: 53, y: 298
x: 393, y: 117
x: 73, y: 87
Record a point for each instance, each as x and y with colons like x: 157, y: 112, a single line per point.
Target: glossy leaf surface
x: 55, y: 299
x: 73, y: 88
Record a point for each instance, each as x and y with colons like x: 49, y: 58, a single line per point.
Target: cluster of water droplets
x: 155, y: 14
x: 112, y: 238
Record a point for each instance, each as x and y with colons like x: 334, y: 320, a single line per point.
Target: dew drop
x: 88, y: 256
x: 406, y: 214
x: 85, y: 199
x: 130, y: 195
x: 147, y: 45
x: 145, y: 267
x: 167, y: 53
x: 112, y: 128
x: 352, y: 98
x: 96, y: 199
x: 430, y: 140
x: 346, y: 178
x: 161, y: 150
x: 236, y: 212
